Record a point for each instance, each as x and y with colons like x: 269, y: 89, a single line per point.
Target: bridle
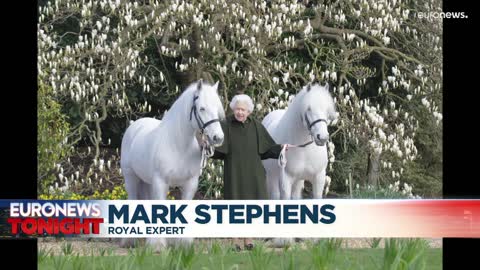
x: 282, y: 159
x: 207, y: 150
x: 200, y: 123
x: 310, y: 125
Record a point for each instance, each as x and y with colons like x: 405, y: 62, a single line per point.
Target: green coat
x: 244, y: 147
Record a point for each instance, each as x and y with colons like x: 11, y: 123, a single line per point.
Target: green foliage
x: 426, y: 172
x: 349, y: 160
x: 288, y: 261
x: 425, y: 180
x: 43, y: 254
x: 400, y: 254
x: 182, y: 257
x: 52, y: 131
x: 324, y: 252
x: 374, y: 242
x: 141, y: 253
x: 211, y: 180
x: 259, y: 257
x: 118, y: 193
x: 67, y: 249
x: 391, y: 192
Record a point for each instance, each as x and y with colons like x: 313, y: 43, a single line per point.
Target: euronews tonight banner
x: 247, y: 218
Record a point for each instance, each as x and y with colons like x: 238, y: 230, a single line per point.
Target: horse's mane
x: 178, y: 117
x: 180, y: 105
x: 316, y: 97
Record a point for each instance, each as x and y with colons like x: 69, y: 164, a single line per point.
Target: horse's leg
x: 319, y: 184
x: 285, y: 187
x: 188, y: 192
x: 159, y: 189
x: 144, y: 190
x: 272, y: 178
x: 158, y: 192
x: 273, y: 187
x: 143, y: 193
x: 189, y: 188
x: 297, y: 190
x: 132, y: 182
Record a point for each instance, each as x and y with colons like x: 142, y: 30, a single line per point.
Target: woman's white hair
x: 242, y: 99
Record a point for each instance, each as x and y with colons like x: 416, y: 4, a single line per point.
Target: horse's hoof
x: 282, y: 242
x: 157, y: 245
x: 127, y: 243
x: 249, y: 246
x: 236, y: 248
x: 181, y: 242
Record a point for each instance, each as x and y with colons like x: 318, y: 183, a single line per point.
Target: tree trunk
x: 197, y: 72
x: 373, y: 169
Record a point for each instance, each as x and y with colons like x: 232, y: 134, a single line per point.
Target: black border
x: 460, y: 110
x: 19, y: 120
x: 20, y: 123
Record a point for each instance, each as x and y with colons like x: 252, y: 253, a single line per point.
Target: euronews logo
x: 442, y: 15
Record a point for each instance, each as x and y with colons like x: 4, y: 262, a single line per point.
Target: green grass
x: 322, y: 255
x: 404, y: 254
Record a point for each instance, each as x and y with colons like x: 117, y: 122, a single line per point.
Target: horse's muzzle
x: 215, y: 140
x: 321, y: 142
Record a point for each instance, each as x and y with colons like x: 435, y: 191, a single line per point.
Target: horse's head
x: 318, y: 112
x: 207, y: 111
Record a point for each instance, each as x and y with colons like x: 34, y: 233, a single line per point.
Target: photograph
x: 245, y: 100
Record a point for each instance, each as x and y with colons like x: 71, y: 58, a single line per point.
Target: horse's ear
x: 216, y: 86
x: 199, y: 84
x: 327, y: 86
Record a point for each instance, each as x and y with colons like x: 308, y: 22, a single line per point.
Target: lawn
x: 326, y: 254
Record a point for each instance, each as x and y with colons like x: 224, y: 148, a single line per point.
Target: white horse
x: 304, y: 122
x: 156, y: 155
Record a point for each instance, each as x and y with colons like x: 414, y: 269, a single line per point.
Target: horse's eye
x: 202, y: 109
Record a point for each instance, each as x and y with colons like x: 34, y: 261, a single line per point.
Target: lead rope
x: 207, y: 151
x: 282, y: 158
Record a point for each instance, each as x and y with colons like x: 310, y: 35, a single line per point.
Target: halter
x: 201, y: 125
x: 310, y: 125
x: 282, y: 159
x: 207, y: 150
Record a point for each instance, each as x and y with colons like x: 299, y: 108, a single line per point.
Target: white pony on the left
x: 156, y: 155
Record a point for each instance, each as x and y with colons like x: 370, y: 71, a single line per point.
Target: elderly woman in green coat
x: 246, y: 144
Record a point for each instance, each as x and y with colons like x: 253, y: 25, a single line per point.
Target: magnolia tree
x: 382, y: 62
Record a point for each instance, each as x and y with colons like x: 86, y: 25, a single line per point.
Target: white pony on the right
x: 303, y: 124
